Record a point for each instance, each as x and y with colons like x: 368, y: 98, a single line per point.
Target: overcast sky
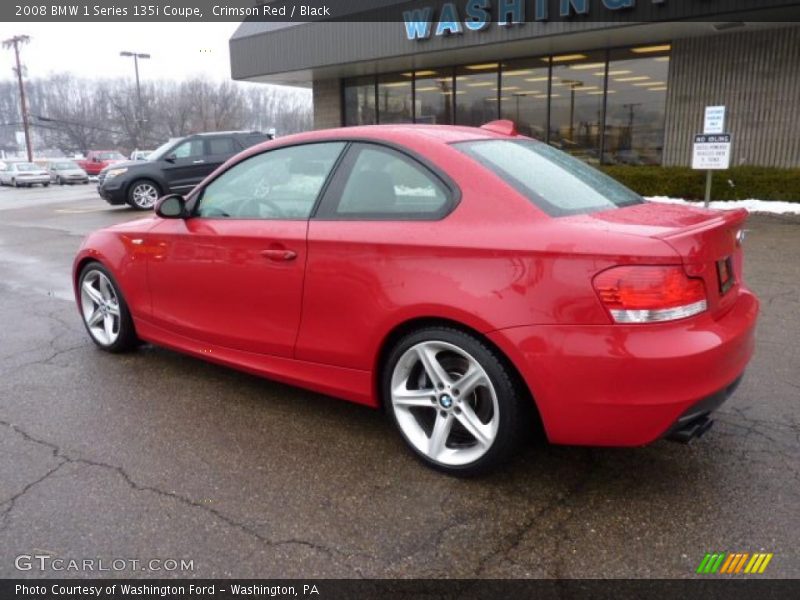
x: 178, y: 50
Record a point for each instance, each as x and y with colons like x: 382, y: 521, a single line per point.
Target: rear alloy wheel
x: 143, y: 195
x: 105, y: 313
x: 454, y: 401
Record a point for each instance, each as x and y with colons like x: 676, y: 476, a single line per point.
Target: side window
x: 218, y: 146
x: 278, y: 184
x: 189, y: 149
x: 385, y: 184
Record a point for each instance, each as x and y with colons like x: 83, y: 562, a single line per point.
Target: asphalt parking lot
x: 156, y: 455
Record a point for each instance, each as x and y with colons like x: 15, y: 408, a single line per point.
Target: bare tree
x: 77, y: 115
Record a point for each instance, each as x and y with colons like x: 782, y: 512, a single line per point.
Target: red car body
x: 497, y: 265
x: 95, y: 161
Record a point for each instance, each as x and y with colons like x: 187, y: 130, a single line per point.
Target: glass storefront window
x: 523, y: 90
x: 576, y: 103
x: 476, y: 94
x: 394, y: 98
x: 433, y: 96
x: 636, y: 105
x: 558, y: 99
x: 359, y: 101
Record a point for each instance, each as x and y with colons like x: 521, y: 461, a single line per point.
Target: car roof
x: 445, y: 134
x: 212, y: 133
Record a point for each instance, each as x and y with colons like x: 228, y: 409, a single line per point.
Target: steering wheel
x: 276, y: 210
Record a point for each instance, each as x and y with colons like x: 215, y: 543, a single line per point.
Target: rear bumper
x: 628, y: 385
x: 696, y: 420
x: 33, y: 180
x: 74, y: 178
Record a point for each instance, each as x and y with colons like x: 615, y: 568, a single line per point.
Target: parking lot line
x: 77, y: 211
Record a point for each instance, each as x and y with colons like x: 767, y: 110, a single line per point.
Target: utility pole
x: 136, y: 56
x: 15, y: 42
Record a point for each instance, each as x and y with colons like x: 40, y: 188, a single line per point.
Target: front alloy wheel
x: 104, y: 311
x: 454, y: 401
x: 143, y: 195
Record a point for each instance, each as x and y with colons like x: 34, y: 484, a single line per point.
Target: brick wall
x: 327, y: 96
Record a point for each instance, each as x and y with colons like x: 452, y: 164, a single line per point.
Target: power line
x: 63, y: 122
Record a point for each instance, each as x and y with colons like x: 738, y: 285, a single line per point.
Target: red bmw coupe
x: 468, y: 281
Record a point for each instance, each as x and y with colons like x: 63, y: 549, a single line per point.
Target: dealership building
x: 611, y: 81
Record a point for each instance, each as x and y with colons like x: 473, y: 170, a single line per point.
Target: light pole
x: 573, y: 85
x: 136, y: 56
x: 15, y: 42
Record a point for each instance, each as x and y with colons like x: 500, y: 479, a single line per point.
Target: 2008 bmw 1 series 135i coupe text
x: 470, y: 281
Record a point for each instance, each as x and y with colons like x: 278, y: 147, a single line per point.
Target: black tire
x: 126, y: 339
x: 137, y: 185
x: 514, y: 408
x: 14, y: 183
x: 46, y: 184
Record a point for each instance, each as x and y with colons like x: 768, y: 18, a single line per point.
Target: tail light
x: 650, y: 294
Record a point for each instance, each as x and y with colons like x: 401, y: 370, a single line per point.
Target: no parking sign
x: 712, y: 152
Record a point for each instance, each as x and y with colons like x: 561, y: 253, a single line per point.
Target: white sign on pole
x: 712, y: 152
x: 714, y: 120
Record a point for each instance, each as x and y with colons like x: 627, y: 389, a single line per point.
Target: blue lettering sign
x: 511, y: 12
x: 618, y: 4
x: 418, y: 23
x: 478, y: 17
x: 581, y: 7
x: 540, y: 10
x: 449, y: 21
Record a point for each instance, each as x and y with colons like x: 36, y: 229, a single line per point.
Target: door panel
x: 189, y: 166
x: 220, y: 281
x: 232, y: 275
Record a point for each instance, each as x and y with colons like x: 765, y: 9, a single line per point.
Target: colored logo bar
x: 734, y: 563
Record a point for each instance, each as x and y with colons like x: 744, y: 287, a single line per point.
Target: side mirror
x: 171, y: 206
x: 170, y: 158
x: 95, y: 159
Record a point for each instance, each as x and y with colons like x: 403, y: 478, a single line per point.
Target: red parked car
x: 468, y: 281
x: 97, y: 160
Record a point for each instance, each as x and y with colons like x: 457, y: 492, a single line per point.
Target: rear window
x: 253, y: 139
x: 553, y: 180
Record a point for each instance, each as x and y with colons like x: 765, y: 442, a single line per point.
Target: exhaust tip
x: 693, y: 429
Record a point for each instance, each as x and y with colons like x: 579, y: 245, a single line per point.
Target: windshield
x: 27, y: 167
x: 161, y: 151
x: 62, y: 166
x: 553, y: 180
x: 110, y: 156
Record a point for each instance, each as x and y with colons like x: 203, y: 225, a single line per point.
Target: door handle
x: 279, y: 254
x: 198, y: 162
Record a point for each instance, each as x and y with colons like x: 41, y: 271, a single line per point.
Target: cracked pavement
x: 157, y: 455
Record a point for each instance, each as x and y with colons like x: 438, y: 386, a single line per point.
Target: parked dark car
x: 175, y: 167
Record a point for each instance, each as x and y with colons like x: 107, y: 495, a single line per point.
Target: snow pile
x: 754, y: 206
